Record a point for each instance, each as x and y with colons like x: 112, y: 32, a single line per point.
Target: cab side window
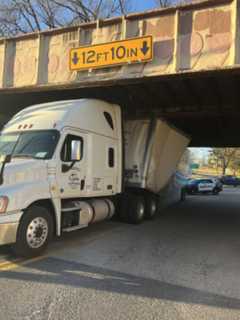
x: 66, y: 149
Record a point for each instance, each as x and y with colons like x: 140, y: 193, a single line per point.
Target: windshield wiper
x: 23, y: 156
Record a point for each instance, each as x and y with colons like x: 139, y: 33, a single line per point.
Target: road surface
x: 184, y: 265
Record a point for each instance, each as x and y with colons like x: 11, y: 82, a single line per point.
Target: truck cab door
x: 72, y: 175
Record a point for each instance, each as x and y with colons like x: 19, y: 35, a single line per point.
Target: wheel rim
x: 141, y: 211
x: 37, y: 232
x: 153, y: 208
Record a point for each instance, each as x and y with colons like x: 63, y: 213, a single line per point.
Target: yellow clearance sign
x: 112, y: 53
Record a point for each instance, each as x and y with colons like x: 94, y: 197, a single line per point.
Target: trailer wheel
x: 136, y: 209
x: 34, y: 232
x: 151, y: 207
x: 183, y: 194
x: 123, y: 207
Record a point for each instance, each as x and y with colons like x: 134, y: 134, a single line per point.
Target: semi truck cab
x: 56, y: 152
x: 62, y: 170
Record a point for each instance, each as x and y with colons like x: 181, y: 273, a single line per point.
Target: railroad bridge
x: 191, y: 78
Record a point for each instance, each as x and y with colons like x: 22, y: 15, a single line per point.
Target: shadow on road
x: 69, y: 273
x: 199, y: 229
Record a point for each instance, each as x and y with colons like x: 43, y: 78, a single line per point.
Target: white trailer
x: 64, y: 168
x: 153, y: 150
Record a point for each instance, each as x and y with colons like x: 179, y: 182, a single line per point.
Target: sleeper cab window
x: 109, y: 119
x: 67, y: 145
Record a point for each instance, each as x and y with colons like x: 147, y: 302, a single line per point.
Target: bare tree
x: 85, y: 11
x: 225, y: 157
x: 164, y: 3
x: 235, y: 165
x: 23, y: 16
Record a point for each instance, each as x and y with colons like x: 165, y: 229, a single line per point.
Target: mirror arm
x: 7, y: 160
x: 1, y: 173
x: 66, y: 167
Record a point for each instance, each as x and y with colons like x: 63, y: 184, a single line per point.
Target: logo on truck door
x: 74, y: 181
x: 120, y: 52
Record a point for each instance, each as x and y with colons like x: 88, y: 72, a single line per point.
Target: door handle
x: 82, y: 184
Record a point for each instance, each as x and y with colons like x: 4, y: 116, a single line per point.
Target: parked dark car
x: 230, y: 181
x: 199, y: 186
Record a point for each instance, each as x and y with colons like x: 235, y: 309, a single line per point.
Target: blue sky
x: 140, y: 5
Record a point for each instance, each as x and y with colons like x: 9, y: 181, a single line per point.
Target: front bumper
x: 8, y: 227
x: 8, y: 232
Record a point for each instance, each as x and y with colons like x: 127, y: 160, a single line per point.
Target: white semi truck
x: 63, y: 168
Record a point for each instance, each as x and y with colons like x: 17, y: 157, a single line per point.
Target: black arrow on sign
x: 145, y: 48
x: 75, y: 58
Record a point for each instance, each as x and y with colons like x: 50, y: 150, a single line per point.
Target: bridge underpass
x: 205, y: 106
x: 188, y: 259
x: 191, y: 81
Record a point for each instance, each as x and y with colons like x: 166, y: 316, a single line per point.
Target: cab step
x: 69, y: 229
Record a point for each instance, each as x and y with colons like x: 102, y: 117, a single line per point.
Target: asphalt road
x: 184, y: 265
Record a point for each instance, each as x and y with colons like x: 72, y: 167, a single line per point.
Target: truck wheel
x: 151, y: 207
x: 123, y: 207
x: 183, y: 195
x: 34, y: 232
x: 136, y: 209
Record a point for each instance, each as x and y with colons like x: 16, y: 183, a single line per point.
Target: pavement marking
x: 16, y: 263
x: 9, y: 265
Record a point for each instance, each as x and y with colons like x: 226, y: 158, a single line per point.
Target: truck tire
x: 215, y: 192
x: 123, y: 207
x: 34, y: 232
x: 183, y: 195
x: 151, y: 207
x: 136, y: 209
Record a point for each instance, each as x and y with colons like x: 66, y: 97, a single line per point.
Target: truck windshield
x: 30, y: 144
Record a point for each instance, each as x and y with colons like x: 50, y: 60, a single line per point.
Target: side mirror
x: 76, y: 150
x: 6, y: 159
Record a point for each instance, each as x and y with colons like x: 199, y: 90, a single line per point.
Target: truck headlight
x: 3, y: 204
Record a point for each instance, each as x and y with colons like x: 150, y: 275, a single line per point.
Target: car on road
x: 201, y: 186
x: 230, y: 181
